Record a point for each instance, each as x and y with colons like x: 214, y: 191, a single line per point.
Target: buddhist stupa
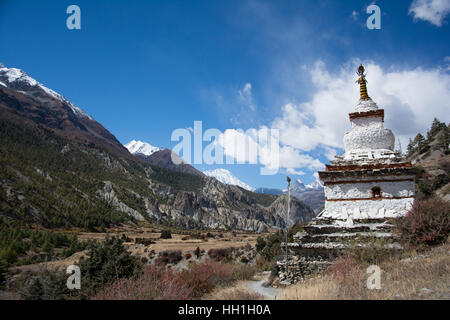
x: 366, y: 188
x: 370, y: 180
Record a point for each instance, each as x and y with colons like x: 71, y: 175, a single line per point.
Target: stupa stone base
x: 323, y: 240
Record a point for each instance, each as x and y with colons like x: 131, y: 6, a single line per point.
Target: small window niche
x: 376, y: 192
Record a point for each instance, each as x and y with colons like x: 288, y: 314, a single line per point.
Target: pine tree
x: 436, y: 126
x: 419, y: 140
x: 443, y: 141
x: 411, y: 147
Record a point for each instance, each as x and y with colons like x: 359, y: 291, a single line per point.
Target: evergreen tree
x: 419, y: 141
x: 443, y: 141
x: 260, y: 244
x: 411, y: 147
x: 108, y: 261
x: 436, y: 126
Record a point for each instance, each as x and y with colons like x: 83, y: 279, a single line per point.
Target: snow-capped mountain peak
x: 227, y: 177
x: 140, y: 147
x: 315, y: 185
x: 298, y: 186
x: 16, y: 79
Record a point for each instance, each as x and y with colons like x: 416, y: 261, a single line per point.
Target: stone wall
x: 367, y: 209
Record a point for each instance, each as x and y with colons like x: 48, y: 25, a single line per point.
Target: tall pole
x: 287, y: 220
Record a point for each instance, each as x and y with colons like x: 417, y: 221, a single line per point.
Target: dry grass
x: 176, y: 243
x: 318, y: 288
x: 52, y: 265
x: 237, y: 292
x: 404, y: 278
x: 161, y: 245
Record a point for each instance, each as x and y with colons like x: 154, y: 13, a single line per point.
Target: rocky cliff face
x: 226, y: 207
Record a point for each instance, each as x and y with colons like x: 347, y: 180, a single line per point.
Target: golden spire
x: 362, y: 83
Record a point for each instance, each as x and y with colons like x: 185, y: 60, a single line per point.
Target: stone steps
x: 323, y: 240
x: 325, y: 227
x: 341, y: 245
x: 347, y: 237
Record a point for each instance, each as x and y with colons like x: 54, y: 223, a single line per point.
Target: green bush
x: 166, y: 234
x: 260, y: 244
x: 273, y: 246
x: 44, y: 285
x: 108, y: 261
x: 425, y: 187
x: 8, y: 255
x: 47, y: 247
x: 245, y: 260
x: 198, y: 252
x: 2, y: 274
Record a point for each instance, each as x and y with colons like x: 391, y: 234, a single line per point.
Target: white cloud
x: 330, y: 153
x: 245, y: 96
x: 252, y: 147
x: 433, y: 11
x: 411, y: 99
x: 295, y: 172
x: 294, y: 158
x: 239, y: 145
x: 447, y: 62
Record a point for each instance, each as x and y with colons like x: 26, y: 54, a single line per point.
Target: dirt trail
x: 257, y: 286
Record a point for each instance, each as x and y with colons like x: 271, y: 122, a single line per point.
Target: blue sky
x: 145, y: 68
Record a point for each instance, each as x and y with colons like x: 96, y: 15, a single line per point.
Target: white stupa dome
x: 367, y: 136
x: 366, y: 105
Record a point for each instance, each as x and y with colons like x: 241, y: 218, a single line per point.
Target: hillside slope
x: 164, y: 159
x: 431, y: 157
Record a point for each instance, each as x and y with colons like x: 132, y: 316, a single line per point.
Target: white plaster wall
x: 350, y: 178
x: 363, y: 190
x: 363, y: 209
x: 375, y: 121
x: 368, y: 133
